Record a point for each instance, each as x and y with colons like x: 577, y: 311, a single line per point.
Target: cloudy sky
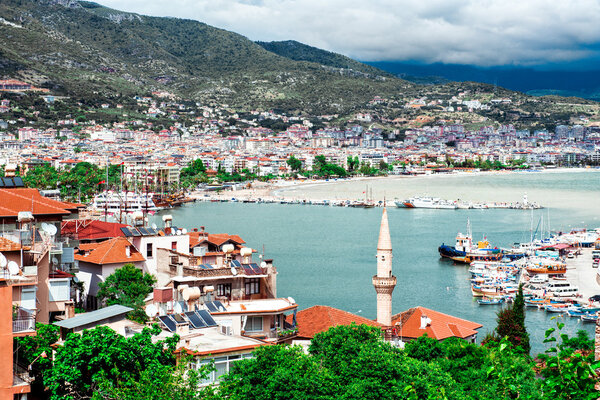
x: 477, y: 32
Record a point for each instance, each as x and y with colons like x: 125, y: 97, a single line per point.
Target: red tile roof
x: 12, y: 201
x: 8, y: 245
x: 442, y: 326
x: 111, y: 251
x: 91, y: 229
x: 217, y: 239
x: 320, y: 318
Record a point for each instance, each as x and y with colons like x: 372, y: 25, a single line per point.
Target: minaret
x: 384, y: 281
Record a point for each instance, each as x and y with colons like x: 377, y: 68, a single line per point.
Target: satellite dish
x: 184, y: 231
x: 177, y: 308
x: 233, y: 271
x: 151, y: 310
x: 154, y: 226
x: 54, y: 261
x: 13, y: 268
x: 263, y: 264
x: 3, y: 261
x: 44, y: 226
x: 49, y: 229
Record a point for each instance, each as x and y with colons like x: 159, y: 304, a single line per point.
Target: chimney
x: 425, y: 322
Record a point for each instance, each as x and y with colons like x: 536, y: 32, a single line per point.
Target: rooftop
x: 84, y: 319
x: 212, y: 341
x: 260, y: 306
x: 441, y: 326
x: 112, y: 251
x: 320, y: 318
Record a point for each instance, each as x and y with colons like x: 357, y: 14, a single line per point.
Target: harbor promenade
x: 581, y: 274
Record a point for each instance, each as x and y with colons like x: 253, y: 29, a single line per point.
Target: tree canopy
x: 127, y: 286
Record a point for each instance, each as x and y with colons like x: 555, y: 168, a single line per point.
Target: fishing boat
x: 464, y: 252
x: 490, y: 301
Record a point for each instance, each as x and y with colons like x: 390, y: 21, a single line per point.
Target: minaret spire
x: 384, y: 282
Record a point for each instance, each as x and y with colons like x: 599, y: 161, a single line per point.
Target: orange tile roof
x: 320, y: 318
x: 91, y: 229
x: 12, y: 201
x: 111, y: 251
x: 8, y: 245
x: 408, y: 324
x: 217, y: 239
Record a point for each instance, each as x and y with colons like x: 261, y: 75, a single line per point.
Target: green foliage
x: 511, y: 323
x: 164, y: 382
x: 101, y: 357
x: 278, y: 372
x: 568, y: 374
x: 127, y: 286
x: 322, y: 168
x: 424, y: 348
x: 36, y: 351
x: 193, y: 174
x: 294, y: 163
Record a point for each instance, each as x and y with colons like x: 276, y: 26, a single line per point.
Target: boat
x: 589, y: 317
x: 464, y: 252
x: 123, y: 202
x: 429, y: 202
x: 490, y: 301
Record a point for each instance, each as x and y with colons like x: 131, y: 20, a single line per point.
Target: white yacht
x: 429, y: 202
x: 126, y: 202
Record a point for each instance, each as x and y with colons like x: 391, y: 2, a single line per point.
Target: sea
x: 326, y: 255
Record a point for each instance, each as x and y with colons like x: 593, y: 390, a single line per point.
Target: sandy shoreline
x: 298, y: 190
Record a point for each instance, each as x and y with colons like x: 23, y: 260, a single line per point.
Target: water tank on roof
x: 228, y: 248
x: 246, y: 251
x: 191, y: 293
x: 24, y: 216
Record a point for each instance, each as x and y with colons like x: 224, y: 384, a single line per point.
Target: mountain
x: 302, y: 52
x: 84, y: 49
x: 533, y: 81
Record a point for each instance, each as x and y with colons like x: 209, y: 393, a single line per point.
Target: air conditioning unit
x: 226, y: 330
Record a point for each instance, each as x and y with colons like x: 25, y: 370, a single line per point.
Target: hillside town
x: 431, y: 135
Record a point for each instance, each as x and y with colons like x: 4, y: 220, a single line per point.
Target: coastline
x: 301, y: 189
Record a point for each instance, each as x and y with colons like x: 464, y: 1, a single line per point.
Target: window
x: 174, y: 246
x: 252, y: 286
x: 148, y: 250
x: 222, y: 366
x: 224, y: 289
x: 174, y: 259
x: 254, y: 324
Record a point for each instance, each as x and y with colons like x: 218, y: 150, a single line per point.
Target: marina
x: 323, y: 252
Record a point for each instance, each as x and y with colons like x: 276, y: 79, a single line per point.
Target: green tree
x: 164, y: 382
x: 511, y: 323
x: 100, y: 356
x: 36, y: 352
x: 294, y: 163
x: 568, y: 374
x: 127, y: 286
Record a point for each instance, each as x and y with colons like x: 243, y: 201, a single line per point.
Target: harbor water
x: 326, y: 255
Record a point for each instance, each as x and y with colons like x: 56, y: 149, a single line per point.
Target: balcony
x: 56, y: 248
x: 23, y: 320
x: 21, y: 375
